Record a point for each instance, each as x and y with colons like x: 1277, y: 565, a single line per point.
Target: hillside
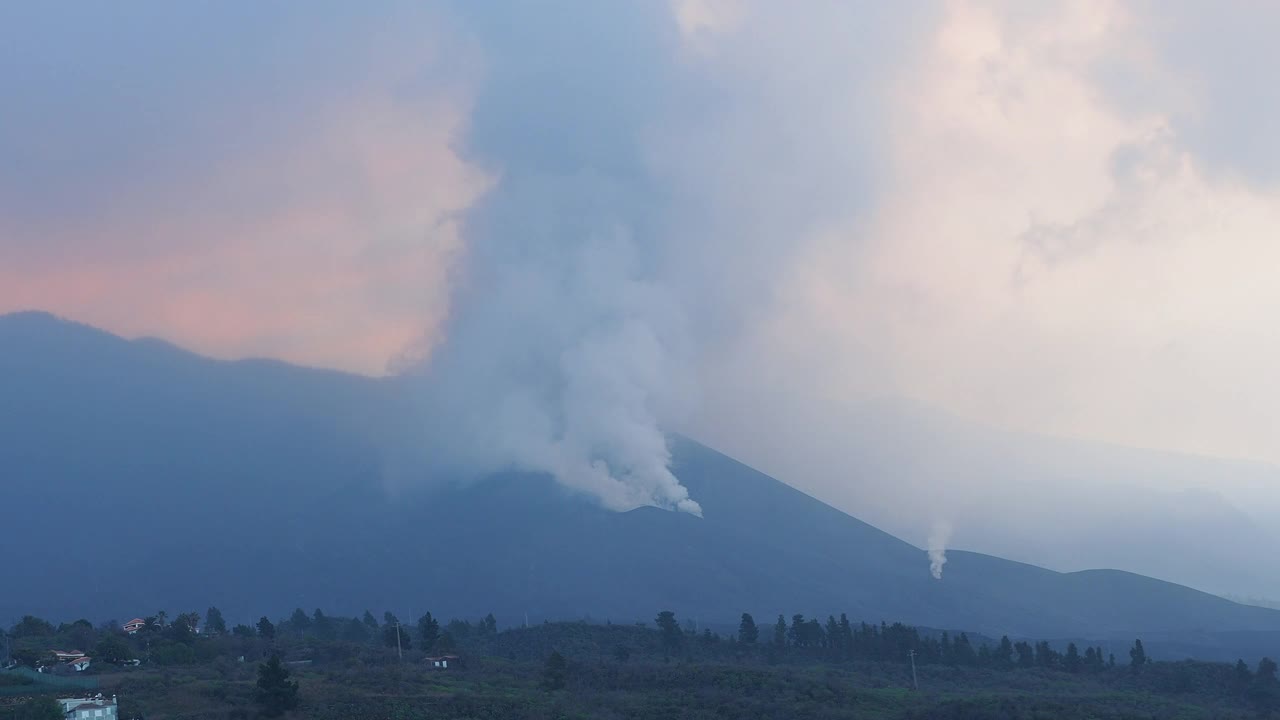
x: 137, y: 476
x: 345, y: 670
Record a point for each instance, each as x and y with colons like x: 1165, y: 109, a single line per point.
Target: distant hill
x: 1067, y: 504
x: 136, y: 476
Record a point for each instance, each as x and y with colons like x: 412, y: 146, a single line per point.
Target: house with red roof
x: 133, y: 626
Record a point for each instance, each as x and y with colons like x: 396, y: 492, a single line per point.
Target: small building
x: 66, y: 655
x: 89, y: 708
x: 133, y: 626
x: 443, y: 662
x: 81, y: 664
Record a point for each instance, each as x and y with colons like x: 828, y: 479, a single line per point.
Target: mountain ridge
x: 261, y: 487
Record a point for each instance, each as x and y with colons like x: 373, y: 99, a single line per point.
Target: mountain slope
x: 1068, y: 504
x: 136, y: 476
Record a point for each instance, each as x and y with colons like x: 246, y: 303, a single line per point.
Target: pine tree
x: 370, y: 621
x: 1004, y: 653
x: 748, y: 633
x: 962, y: 651
x: 846, y: 637
x: 1137, y: 655
x: 214, y: 624
x: 1046, y: 656
x: 1071, y: 661
x: 266, y: 630
x: 276, y: 693
x: 780, y: 633
x: 813, y: 633
x: 299, y: 622
x: 831, y: 636
x: 429, y: 631
x: 1026, y: 656
x: 556, y: 672
x: 1241, y: 678
x: 796, y: 634
x: 1264, y: 691
x: 323, y: 625
x: 671, y: 634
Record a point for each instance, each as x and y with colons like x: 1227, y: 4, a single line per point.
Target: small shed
x: 442, y: 662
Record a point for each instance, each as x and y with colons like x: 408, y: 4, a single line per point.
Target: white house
x: 94, y: 708
x: 133, y: 626
x: 80, y: 664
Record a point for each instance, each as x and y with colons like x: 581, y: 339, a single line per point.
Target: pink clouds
x: 335, y: 251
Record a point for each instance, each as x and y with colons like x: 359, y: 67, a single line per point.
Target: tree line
x: 166, y: 641
x: 189, y: 639
x: 839, y: 639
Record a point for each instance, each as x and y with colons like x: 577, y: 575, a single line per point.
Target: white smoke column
x: 938, y: 539
x: 614, y: 377
x: 563, y: 361
x: 567, y: 350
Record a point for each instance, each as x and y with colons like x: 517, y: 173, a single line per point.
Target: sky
x: 729, y: 217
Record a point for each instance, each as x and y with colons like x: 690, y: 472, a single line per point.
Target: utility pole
x: 399, y: 651
x: 914, y: 683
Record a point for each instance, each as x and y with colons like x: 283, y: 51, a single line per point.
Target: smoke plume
x: 611, y: 268
x: 566, y: 349
x: 938, y: 539
x: 562, y: 363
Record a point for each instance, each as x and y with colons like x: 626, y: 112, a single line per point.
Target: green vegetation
x: 317, y: 666
x: 38, y: 708
x: 556, y: 674
x: 276, y: 693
